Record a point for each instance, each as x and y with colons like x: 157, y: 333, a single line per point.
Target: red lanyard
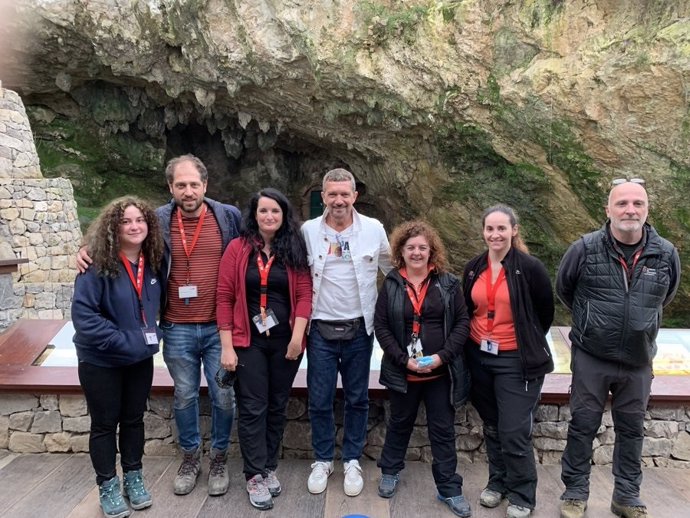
x: 417, y: 300
x: 195, y: 238
x: 491, y: 296
x: 264, y: 269
x: 138, y: 283
x: 629, y: 271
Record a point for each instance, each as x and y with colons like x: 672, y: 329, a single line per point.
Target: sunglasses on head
x: 619, y: 181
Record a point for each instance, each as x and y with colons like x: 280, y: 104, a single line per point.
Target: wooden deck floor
x: 56, y: 485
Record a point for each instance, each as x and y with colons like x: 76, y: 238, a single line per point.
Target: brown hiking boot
x: 573, y: 508
x: 189, y: 471
x: 218, y: 479
x: 629, y: 511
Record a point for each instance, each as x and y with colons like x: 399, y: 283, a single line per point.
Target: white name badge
x: 150, y: 336
x: 271, y: 321
x: 188, y: 292
x: 489, y: 346
x: 414, y: 349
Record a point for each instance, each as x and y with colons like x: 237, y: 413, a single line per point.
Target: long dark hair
x: 517, y: 241
x: 288, y: 244
x: 103, y: 236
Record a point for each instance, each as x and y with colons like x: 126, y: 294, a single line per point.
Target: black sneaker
x: 388, y: 485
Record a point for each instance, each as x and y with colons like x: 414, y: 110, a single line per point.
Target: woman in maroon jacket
x: 263, y: 306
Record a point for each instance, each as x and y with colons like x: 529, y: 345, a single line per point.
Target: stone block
x: 25, y: 442
x: 21, y: 421
x: 663, y: 462
x: 73, y: 405
x: 652, y: 447
x: 11, y: 403
x: 377, y: 435
x: 468, y: 442
x: 4, y: 431
x: 665, y: 414
x: 79, y: 443
x: 659, y: 429
x: 552, y: 429
x: 608, y: 436
x: 76, y: 424
x: 603, y: 455
x: 564, y: 413
x: 156, y: 427
x: 297, y: 435
x: 296, y: 408
x: 49, y: 402
x: 57, y: 442
x: 546, y: 413
x: 548, y: 444
x: 48, y: 421
x: 551, y: 457
x: 681, y: 447
x: 161, y: 405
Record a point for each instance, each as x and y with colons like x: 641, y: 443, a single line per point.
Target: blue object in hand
x: 425, y: 361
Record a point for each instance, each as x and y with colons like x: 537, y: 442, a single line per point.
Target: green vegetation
x: 100, y: 166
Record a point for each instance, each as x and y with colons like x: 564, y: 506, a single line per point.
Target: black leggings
x: 116, y: 395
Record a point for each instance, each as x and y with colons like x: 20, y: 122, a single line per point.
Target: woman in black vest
x: 421, y: 323
x: 510, y: 301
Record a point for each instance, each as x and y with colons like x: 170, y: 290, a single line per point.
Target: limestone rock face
x: 440, y: 108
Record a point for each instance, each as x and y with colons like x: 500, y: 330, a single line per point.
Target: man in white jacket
x: 346, y: 250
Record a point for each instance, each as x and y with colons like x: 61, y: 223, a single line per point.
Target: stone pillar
x: 38, y: 222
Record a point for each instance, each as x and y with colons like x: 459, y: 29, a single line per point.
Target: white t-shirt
x: 339, y: 292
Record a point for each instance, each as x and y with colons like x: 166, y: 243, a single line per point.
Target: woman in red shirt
x: 263, y: 306
x: 510, y: 301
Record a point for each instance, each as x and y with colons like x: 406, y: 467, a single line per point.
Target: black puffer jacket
x: 617, y: 318
x: 393, y: 336
x: 531, y: 304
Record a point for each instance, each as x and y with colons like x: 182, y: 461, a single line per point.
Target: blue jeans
x: 325, y: 358
x: 186, y: 347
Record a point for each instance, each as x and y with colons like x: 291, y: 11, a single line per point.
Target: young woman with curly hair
x: 421, y: 323
x: 263, y: 305
x: 114, y: 310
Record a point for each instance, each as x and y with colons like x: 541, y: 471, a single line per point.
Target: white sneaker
x: 353, y: 482
x: 318, y: 480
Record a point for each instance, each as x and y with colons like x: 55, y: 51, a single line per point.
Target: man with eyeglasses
x: 346, y: 250
x: 616, y: 282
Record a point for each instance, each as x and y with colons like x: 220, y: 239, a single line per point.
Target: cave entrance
x: 241, y: 160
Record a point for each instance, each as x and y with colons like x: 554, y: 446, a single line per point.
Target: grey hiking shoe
x: 490, y: 498
x: 259, y: 496
x: 458, y: 504
x: 189, y: 470
x: 272, y: 483
x: 629, y: 511
x: 571, y: 508
x: 218, y: 479
x: 518, y: 511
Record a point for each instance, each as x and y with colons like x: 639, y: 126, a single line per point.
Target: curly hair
x: 103, y: 236
x: 517, y: 240
x: 405, y: 231
x: 288, y: 243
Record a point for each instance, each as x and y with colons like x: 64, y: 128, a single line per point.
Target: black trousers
x: 264, y: 380
x: 115, y: 396
x: 440, y: 416
x: 506, y: 402
x: 630, y: 388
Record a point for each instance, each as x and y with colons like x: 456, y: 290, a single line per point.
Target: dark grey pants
x: 630, y: 387
x: 506, y: 402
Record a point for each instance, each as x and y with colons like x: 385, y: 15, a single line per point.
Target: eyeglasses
x: 619, y: 181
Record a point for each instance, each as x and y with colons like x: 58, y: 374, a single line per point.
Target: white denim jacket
x: 370, y: 252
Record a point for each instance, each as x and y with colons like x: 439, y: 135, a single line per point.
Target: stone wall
x: 32, y: 424
x: 38, y: 222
